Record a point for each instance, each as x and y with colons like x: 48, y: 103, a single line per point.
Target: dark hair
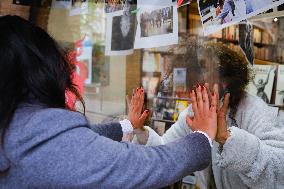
x: 32, y: 66
x: 226, y: 66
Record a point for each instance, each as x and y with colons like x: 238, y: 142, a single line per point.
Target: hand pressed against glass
x: 135, y: 106
x: 205, y: 115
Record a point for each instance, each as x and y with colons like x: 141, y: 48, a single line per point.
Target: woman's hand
x: 222, y: 129
x: 135, y: 106
x: 205, y: 115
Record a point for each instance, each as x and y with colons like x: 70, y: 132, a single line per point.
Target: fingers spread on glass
x: 205, y: 116
x: 135, y: 116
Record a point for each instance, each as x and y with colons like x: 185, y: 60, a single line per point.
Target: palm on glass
x: 135, y: 107
x: 205, y: 114
x: 222, y: 110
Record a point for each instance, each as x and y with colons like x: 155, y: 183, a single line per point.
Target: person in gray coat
x: 249, y: 147
x: 45, y: 145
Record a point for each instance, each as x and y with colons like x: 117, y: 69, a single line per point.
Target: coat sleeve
x: 109, y: 130
x: 73, y: 156
x: 178, y: 130
x: 256, y: 150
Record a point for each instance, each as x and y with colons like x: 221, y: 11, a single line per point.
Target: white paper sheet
x: 262, y: 84
x: 279, y: 100
x: 215, y: 16
x: 120, y: 31
x: 157, y: 23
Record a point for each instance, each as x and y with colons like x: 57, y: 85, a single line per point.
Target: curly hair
x: 225, y: 67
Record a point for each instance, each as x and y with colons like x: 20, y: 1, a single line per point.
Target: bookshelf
x: 266, y: 46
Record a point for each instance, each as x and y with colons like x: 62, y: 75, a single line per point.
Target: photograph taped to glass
x: 123, y: 28
x: 157, y: 22
x: 218, y: 14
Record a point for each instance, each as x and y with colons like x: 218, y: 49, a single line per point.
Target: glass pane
x: 246, y: 60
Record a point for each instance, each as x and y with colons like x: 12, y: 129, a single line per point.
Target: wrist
x: 140, y: 130
x: 126, y: 126
x: 222, y: 140
x: 210, y: 140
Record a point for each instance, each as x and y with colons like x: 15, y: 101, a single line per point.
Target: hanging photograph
x: 255, y: 7
x: 246, y: 41
x: 218, y: 14
x: 78, y: 7
x: 157, y: 23
x: 279, y: 100
x: 120, y: 31
x: 61, y: 4
x: 263, y: 81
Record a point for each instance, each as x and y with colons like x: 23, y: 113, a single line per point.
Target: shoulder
x: 33, y: 125
x: 250, y: 101
x: 255, y: 104
x: 50, y: 117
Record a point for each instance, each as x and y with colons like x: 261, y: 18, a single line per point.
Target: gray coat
x: 253, y: 157
x: 56, y: 148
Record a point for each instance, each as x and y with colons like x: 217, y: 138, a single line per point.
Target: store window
x: 110, y: 64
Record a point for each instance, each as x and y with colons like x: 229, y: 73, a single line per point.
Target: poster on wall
x: 157, y: 23
x: 255, y: 7
x: 78, y: 7
x: 246, y: 41
x: 279, y: 99
x: 216, y: 14
x: 61, y: 4
x: 120, y: 31
x: 262, y: 84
